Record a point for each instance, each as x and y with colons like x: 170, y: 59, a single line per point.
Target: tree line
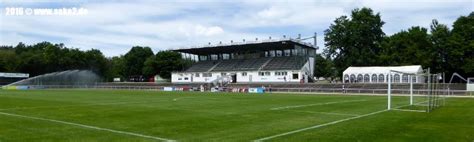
x: 45, y: 57
x: 358, y: 40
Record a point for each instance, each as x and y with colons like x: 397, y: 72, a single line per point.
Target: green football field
x: 123, y: 115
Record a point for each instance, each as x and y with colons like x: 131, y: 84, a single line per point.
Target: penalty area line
x: 318, y: 126
x: 88, y: 126
x: 317, y: 104
x: 318, y: 112
x: 327, y: 124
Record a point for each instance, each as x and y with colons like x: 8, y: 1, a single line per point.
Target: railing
x: 268, y: 89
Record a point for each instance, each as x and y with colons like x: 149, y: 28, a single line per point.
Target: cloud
x: 115, y: 26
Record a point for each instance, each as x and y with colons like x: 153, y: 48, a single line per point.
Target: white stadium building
x: 272, y: 61
x: 379, y: 74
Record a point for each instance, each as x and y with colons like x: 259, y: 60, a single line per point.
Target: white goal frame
x: 389, y: 89
x: 434, y: 90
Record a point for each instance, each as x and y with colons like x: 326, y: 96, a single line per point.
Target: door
x: 234, y: 78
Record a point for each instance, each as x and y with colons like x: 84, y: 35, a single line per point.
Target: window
x: 244, y: 73
x: 279, y: 53
x: 396, y: 78
x: 294, y: 52
x: 225, y: 56
x: 180, y: 79
x: 295, y: 76
x: 374, y: 78
x: 197, y: 74
x: 346, y: 78
x: 264, y: 73
x: 186, y: 78
x: 287, y: 52
x: 359, y: 78
x: 282, y: 73
x: 272, y: 53
x: 352, y: 78
x: 381, y: 78
x: 366, y: 78
x: 203, y: 58
x: 223, y: 74
x: 206, y: 74
x: 267, y: 73
x: 214, y: 57
x: 405, y: 78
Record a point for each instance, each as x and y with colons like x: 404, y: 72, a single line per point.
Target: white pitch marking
x: 326, y: 124
x: 87, y: 126
x: 409, y: 110
x: 176, y: 99
x: 318, y: 104
x: 330, y: 113
x: 318, y: 126
x: 179, y: 98
x: 93, y: 104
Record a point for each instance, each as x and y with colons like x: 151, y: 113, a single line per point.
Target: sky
x: 114, y: 26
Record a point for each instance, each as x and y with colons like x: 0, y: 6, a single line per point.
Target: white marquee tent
x: 379, y: 74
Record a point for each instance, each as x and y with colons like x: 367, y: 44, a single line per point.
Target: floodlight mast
x: 315, y: 38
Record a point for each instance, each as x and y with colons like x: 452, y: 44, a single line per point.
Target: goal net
x: 418, y: 92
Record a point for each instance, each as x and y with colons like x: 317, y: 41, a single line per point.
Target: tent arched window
x: 360, y: 78
x: 396, y: 78
x: 346, y: 78
x: 381, y: 78
x: 374, y: 78
x: 366, y: 78
x: 405, y: 78
x: 352, y: 78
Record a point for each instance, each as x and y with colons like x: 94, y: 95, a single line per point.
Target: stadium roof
x: 14, y: 75
x: 245, y: 46
x: 383, y: 69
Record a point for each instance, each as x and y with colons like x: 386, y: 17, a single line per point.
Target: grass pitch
x: 121, y: 115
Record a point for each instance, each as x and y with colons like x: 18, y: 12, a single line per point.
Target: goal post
x: 389, y: 90
x: 421, y: 92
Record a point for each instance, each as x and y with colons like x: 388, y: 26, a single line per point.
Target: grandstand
x: 269, y: 61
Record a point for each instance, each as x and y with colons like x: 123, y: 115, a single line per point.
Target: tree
x: 116, y: 68
x: 462, y: 45
x: 354, y: 41
x: 8, y: 61
x: 440, y: 34
x: 169, y: 61
x: 149, y: 68
x: 96, y: 61
x: 134, y: 60
x: 324, y: 67
x: 412, y: 47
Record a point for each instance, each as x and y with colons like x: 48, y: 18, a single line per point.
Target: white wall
x: 180, y: 77
x: 252, y: 76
